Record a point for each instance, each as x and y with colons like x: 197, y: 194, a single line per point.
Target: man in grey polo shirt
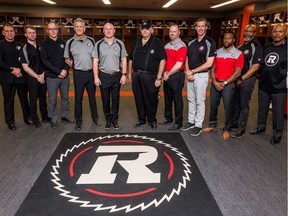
x: 109, y: 68
x: 78, y: 55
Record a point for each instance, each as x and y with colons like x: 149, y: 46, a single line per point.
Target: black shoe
x: 67, y: 120
x: 11, y: 126
x: 153, y: 125
x: 275, y: 140
x: 107, y: 126
x: 165, y: 121
x: 53, y: 125
x: 174, y: 127
x: 78, y: 125
x: 188, y: 126
x: 115, y: 126
x: 238, y: 135
x: 46, y: 120
x: 37, y: 124
x: 257, y: 131
x: 96, y: 121
x: 196, y: 131
x: 28, y: 121
x: 139, y: 123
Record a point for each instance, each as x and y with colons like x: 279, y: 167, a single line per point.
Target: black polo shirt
x: 253, y: 54
x: 52, y: 57
x: 147, y: 57
x: 9, y: 57
x: 199, y: 51
x: 273, y: 74
x: 31, y: 56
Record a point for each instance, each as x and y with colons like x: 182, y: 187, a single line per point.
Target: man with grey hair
x: 78, y: 55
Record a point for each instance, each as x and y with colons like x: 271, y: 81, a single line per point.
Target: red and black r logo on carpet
x: 121, y: 172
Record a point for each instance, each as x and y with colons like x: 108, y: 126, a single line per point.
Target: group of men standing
x: 104, y: 64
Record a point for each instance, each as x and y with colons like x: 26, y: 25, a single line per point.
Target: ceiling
x: 184, y: 5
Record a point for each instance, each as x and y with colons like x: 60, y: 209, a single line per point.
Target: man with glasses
x: 253, y: 55
x: 56, y: 72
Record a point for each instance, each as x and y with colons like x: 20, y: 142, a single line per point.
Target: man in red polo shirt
x: 226, y: 69
x: 176, y: 51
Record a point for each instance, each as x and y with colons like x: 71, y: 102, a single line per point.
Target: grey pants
x: 53, y: 85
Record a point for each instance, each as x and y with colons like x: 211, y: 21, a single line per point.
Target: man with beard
x: 176, y: 51
x: 253, y: 55
x: 272, y: 84
x: 226, y: 69
x: 12, y: 78
x: 109, y: 68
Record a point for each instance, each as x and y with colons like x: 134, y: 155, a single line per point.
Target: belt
x: 146, y: 72
x: 109, y: 74
x: 86, y: 71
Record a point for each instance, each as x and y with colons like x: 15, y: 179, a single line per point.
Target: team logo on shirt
x: 62, y: 46
x: 18, y: 47
x: 121, y: 172
x: 88, y: 44
x: 115, y: 49
x: 232, y: 55
x: 246, y: 52
x: 152, y: 51
x: 201, y: 48
x: 271, y: 59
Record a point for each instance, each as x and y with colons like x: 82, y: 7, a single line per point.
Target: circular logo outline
x: 114, y: 208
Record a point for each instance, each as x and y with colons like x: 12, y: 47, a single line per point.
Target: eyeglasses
x: 52, y: 29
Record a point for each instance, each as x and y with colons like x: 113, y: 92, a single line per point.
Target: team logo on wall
x: 121, y: 173
x: 272, y: 59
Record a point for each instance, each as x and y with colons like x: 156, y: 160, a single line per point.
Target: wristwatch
x: 225, y: 83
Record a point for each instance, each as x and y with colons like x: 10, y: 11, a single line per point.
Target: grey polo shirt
x: 80, y: 52
x: 109, y: 55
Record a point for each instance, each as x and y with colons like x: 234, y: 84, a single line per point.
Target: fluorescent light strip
x: 106, y: 2
x: 168, y: 4
x: 224, y: 3
x: 49, y: 2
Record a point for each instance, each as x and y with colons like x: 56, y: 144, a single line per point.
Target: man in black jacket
x: 12, y: 78
x: 273, y: 84
x: 56, y: 72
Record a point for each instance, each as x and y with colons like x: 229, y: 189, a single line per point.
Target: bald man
x: 272, y: 84
x: 253, y: 54
x: 109, y: 68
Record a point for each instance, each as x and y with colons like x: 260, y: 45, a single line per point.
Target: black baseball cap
x: 145, y: 25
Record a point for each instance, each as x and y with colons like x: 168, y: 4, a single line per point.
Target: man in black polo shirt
x: 253, y: 55
x: 200, y: 57
x: 11, y: 77
x: 32, y: 65
x: 147, y: 58
x: 273, y: 83
x: 56, y: 72
x: 78, y: 55
x: 109, y: 68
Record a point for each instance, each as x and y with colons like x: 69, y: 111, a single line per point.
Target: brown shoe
x: 209, y: 129
x: 226, y: 135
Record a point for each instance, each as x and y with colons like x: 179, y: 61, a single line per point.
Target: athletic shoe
x: 188, y: 126
x: 196, y: 131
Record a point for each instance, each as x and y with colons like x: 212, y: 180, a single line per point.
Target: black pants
x: 9, y: 91
x: 173, y: 93
x: 241, y: 102
x: 110, y: 87
x: 278, y: 106
x: 82, y: 80
x: 227, y: 94
x: 145, y: 95
x: 37, y: 90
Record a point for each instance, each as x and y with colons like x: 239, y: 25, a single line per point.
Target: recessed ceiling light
x: 224, y: 3
x: 106, y: 2
x: 49, y: 2
x: 168, y: 4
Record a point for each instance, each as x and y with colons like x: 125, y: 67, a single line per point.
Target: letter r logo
x: 271, y: 59
x: 138, y: 172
